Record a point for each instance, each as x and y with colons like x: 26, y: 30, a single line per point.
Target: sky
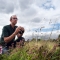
x: 40, y: 18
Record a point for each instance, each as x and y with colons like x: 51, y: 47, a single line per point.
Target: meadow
x: 34, y: 50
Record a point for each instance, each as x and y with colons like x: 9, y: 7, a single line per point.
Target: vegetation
x: 34, y: 50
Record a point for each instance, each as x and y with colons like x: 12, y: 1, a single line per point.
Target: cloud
x: 0, y: 30
x: 36, y: 20
x: 6, y: 6
x: 25, y: 4
x: 32, y: 14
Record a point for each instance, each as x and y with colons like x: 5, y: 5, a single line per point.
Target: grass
x: 40, y: 50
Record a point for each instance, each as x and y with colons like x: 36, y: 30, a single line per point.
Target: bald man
x: 10, y: 31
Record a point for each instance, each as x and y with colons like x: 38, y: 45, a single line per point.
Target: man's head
x: 13, y: 19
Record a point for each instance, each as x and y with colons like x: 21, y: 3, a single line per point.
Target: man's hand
x: 17, y: 30
x: 22, y: 28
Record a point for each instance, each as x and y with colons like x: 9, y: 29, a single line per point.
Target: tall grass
x: 40, y: 50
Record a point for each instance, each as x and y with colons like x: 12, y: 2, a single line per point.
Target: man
x: 10, y: 31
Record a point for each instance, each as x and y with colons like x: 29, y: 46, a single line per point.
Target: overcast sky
x: 38, y: 17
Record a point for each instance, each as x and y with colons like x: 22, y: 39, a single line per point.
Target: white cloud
x: 31, y: 13
x: 1, y: 30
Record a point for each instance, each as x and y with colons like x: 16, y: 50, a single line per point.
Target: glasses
x: 15, y: 18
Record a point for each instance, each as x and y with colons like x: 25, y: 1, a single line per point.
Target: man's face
x: 14, y: 20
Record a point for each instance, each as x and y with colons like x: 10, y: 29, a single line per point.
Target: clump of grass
x: 53, y: 55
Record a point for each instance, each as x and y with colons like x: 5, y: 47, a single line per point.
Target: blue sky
x: 48, y: 4
x: 32, y: 15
